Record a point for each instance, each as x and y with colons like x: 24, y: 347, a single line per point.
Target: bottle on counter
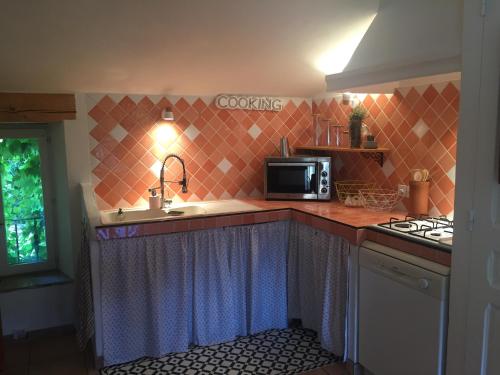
x: 154, y: 200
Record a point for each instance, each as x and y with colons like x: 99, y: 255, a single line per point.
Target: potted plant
x: 356, y: 118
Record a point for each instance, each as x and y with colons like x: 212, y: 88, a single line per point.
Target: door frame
x: 42, y: 136
x: 476, y: 103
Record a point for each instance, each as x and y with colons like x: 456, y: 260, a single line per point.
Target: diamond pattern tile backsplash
x: 419, y: 126
x: 223, y: 149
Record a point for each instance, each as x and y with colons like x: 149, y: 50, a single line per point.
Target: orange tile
x: 119, y: 151
x: 127, y: 104
x: 236, y: 219
x: 420, y: 106
x: 145, y: 104
x: 455, y: 103
x: 221, y: 131
x: 107, y: 122
x: 439, y: 104
x: 412, y: 97
x: 448, y: 139
x: 199, y: 105
x: 131, y: 197
x: 110, y: 161
x: 449, y: 92
x: 180, y: 226
x: 120, y: 189
x: 106, y: 104
x: 247, y: 219
x: 101, y: 189
x: 150, y: 179
x: 449, y: 115
x: 111, y: 180
x: 100, y: 171
x: 117, y: 113
x: 444, y: 206
x: 98, y: 133
x: 140, y: 187
x: 430, y: 94
x: 112, y: 198
x: 195, y: 224
x: 430, y: 116
x: 97, y: 113
x: 100, y: 152
x: 445, y: 184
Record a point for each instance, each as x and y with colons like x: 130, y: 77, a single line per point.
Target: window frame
x: 41, y: 135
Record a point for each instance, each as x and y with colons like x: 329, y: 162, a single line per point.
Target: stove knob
x: 324, y: 182
x: 423, y: 283
x: 324, y: 174
x: 324, y: 190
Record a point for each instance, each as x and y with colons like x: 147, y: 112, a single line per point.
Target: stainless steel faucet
x: 182, y: 182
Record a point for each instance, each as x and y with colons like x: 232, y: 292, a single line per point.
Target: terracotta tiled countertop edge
x: 331, y: 217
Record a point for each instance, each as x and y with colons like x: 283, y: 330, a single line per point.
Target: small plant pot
x: 419, y: 198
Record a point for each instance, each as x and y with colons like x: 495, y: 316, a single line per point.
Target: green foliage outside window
x: 22, y: 200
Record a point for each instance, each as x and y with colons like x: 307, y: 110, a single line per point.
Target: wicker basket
x: 380, y: 199
x: 349, y: 190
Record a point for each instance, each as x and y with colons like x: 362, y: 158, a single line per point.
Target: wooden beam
x: 18, y: 107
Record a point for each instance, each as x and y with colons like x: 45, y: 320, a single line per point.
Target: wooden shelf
x: 376, y: 154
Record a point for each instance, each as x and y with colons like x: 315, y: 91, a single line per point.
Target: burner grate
x: 430, y: 228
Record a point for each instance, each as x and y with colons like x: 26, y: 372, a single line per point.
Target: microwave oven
x: 298, y: 178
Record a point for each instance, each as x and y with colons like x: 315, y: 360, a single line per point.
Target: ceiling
x: 190, y: 47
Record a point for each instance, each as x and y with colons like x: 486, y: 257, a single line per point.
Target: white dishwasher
x: 403, y: 312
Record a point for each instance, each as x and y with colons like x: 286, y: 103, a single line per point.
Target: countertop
x: 331, y: 217
x: 333, y: 210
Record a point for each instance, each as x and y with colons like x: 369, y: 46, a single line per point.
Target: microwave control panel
x: 325, y: 178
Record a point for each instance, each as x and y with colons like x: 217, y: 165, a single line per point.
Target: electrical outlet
x: 404, y: 190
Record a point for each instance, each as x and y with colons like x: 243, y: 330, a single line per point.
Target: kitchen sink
x: 138, y: 215
x: 141, y: 215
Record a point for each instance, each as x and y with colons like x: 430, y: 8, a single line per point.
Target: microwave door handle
x: 291, y: 164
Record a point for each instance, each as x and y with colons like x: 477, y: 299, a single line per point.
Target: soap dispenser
x: 154, y: 200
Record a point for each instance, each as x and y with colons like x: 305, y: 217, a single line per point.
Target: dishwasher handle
x: 410, y: 275
x: 395, y: 273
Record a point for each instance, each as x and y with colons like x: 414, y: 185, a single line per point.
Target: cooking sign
x: 249, y: 102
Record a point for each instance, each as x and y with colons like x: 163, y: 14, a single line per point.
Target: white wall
x: 59, y: 189
x: 39, y: 308
x: 76, y: 138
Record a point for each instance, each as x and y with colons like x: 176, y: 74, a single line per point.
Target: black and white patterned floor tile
x: 288, y: 351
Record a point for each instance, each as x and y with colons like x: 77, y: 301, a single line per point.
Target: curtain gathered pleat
x: 268, y: 277
x: 239, y: 241
x: 318, y: 284
x: 213, y: 320
x: 145, y: 301
x: 162, y: 293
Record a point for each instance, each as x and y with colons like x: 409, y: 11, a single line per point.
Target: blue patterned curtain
x: 162, y: 293
x: 144, y: 297
x: 318, y: 284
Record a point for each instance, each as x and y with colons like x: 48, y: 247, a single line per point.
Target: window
x: 25, y: 230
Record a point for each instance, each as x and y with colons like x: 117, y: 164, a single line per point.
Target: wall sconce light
x: 167, y: 114
x: 346, y: 98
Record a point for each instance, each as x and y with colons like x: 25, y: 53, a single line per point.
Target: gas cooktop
x: 435, y: 231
